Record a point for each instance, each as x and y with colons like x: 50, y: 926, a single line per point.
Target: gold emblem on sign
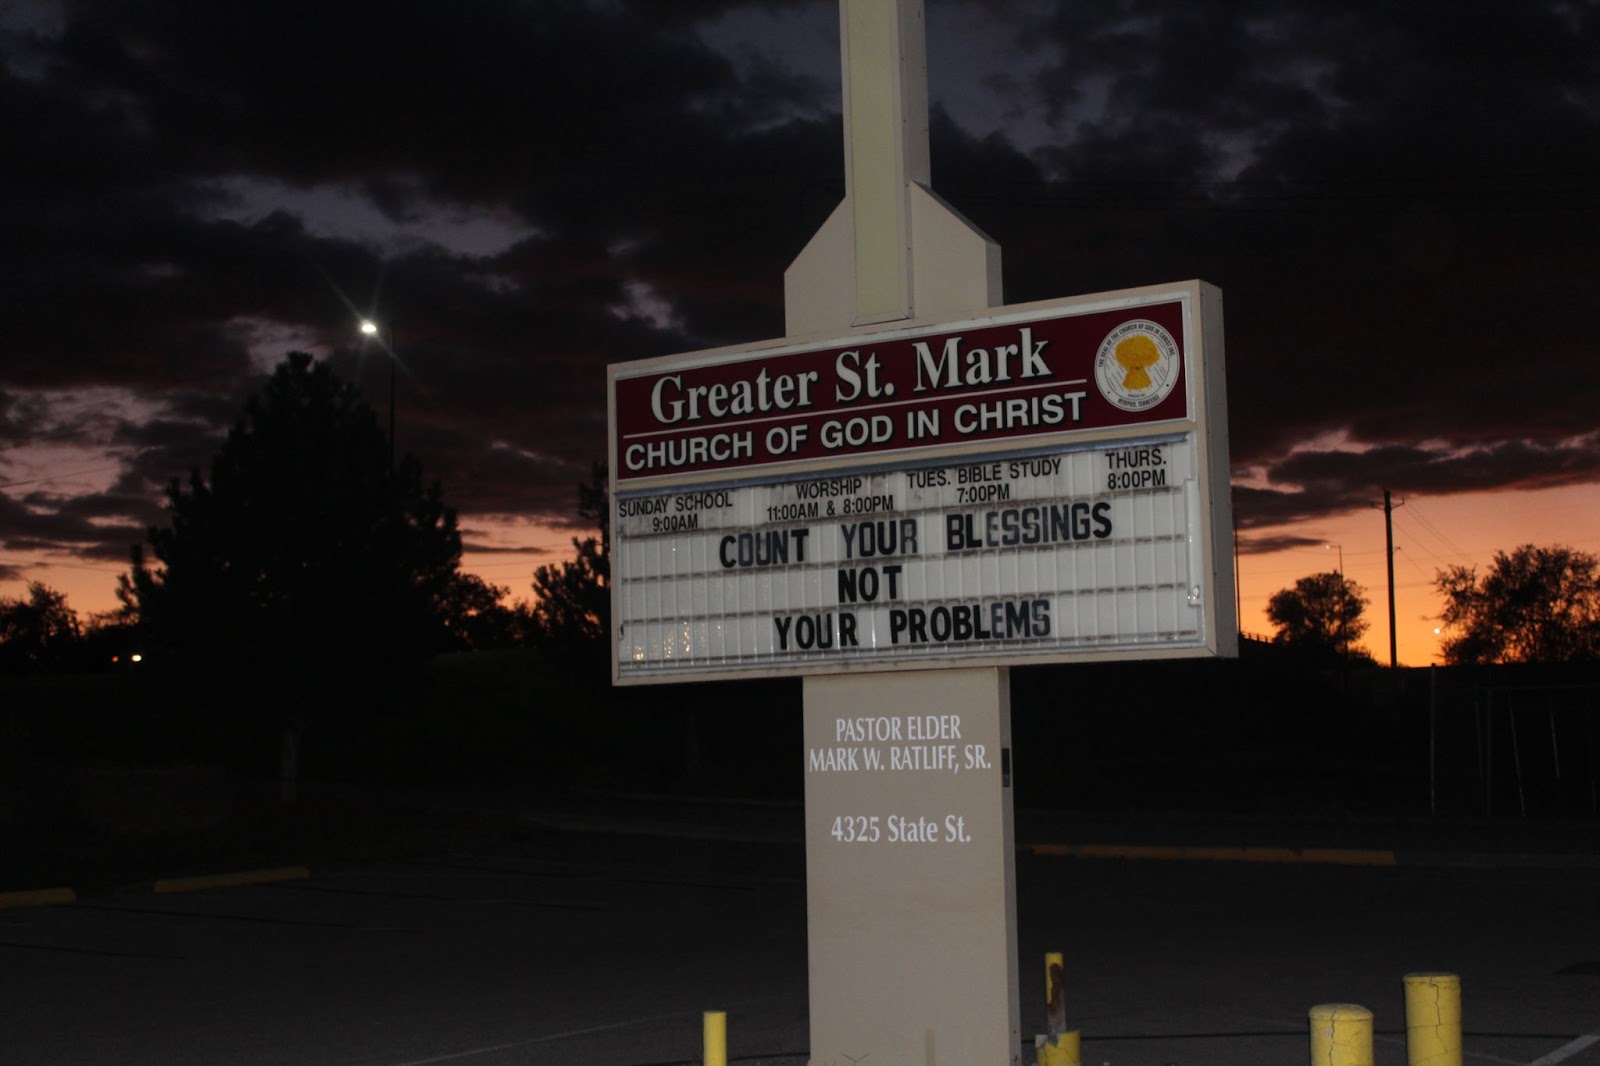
x: 1137, y: 364
x: 1137, y: 354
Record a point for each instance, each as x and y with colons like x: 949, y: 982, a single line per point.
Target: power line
x: 1435, y: 556
x: 495, y: 566
x: 57, y: 477
x: 32, y: 564
x: 1431, y: 528
x: 1417, y: 566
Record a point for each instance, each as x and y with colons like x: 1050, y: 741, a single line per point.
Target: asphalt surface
x: 1189, y: 940
x: 1165, y: 835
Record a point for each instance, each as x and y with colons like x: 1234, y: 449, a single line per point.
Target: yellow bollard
x: 716, y: 1038
x: 1063, y: 1050
x: 1433, y: 1019
x: 1055, y: 986
x: 1341, y: 1035
x: 1057, y: 1047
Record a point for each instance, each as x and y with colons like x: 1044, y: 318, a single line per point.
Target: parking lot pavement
x: 1207, y: 835
x: 603, y: 946
x: 522, y: 955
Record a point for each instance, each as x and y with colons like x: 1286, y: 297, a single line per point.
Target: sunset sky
x: 1400, y: 203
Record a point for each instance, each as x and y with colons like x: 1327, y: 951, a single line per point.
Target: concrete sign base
x: 911, y: 868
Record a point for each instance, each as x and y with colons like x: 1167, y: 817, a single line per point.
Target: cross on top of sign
x: 893, y: 250
x: 886, y: 146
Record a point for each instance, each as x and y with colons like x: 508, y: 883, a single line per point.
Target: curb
x: 1188, y: 853
x: 1516, y: 860
x: 1370, y: 857
x: 242, y: 877
x: 51, y: 897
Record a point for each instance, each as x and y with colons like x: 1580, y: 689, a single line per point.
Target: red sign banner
x: 1007, y: 377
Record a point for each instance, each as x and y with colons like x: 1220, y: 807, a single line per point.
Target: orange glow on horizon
x: 518, y: 548
x: 1430, y: 533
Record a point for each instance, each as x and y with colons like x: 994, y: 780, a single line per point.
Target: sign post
x: 913, y: 491
x: 910, y: 868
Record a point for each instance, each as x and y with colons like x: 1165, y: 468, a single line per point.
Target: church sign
x: 1046, y: 482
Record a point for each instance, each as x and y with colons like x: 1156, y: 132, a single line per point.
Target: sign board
x: 1047, y: 482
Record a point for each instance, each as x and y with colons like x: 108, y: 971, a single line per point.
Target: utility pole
x: 1388, y: 542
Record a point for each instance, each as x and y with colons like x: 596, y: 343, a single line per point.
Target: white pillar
x: 910, y: 867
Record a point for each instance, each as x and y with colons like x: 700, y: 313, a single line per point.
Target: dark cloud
x: 1269, y: 543
x: 1436, y: 471
x: 45, y: 522
x: 1399, y: 207
x: 1399, y: 201
x: 690, y: 12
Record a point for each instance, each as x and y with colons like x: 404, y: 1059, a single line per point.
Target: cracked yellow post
x: 1341, y: 1035
x: 1433, y: 1019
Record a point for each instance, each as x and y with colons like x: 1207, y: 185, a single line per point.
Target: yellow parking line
x: 37, y: 897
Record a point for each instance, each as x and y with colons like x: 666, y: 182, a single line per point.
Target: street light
x: 1344, y: 643
x: 369, y: 328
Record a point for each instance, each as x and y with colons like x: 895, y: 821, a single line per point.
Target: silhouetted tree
x: 476, y: 617
x: 309, y: 570
x: 574, y: 598
x: 38, y: 632
x: 1536, y: 605
x: 1320, y: 615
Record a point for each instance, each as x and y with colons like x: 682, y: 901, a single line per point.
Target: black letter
x: 1102, y: 520
x: 953, y: 540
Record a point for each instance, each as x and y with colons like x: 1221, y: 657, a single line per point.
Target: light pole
x: 1344, y: 650
x: 369, y: 328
